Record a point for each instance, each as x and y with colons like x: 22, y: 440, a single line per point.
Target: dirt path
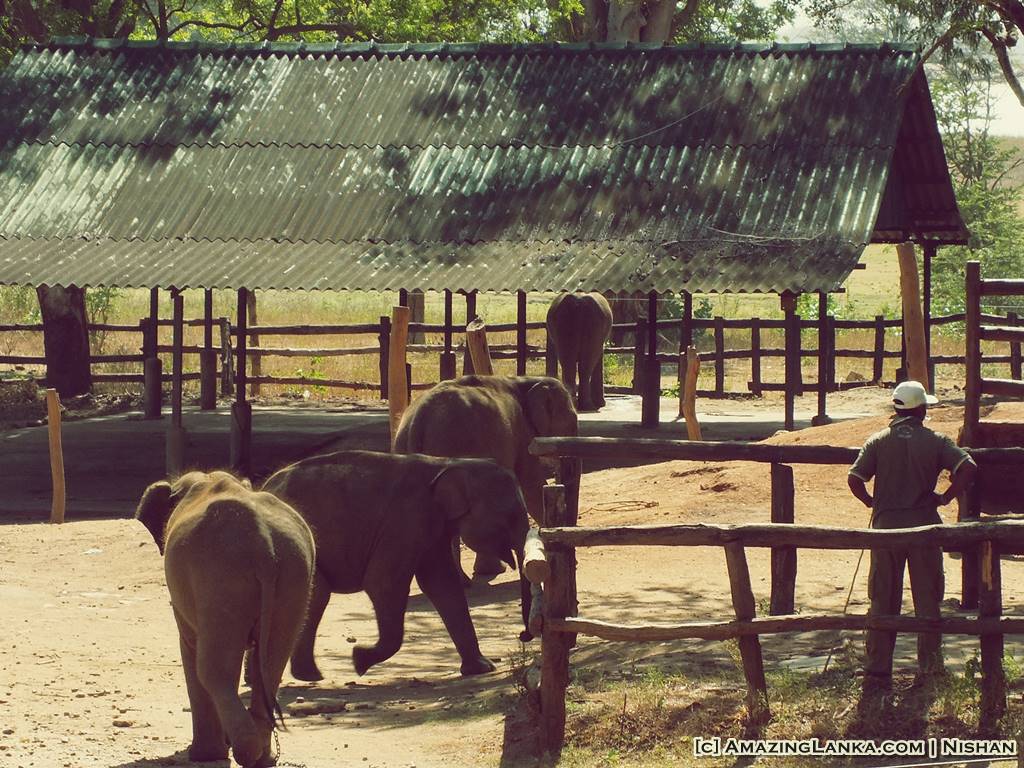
x: 89, y: 671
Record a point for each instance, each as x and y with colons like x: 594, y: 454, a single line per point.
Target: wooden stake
x: 56, y: 456
x: 783, y: 558
x: 750, y: 646
x: 689, y: 401
x: 990, y: 604
x: 913, y: 317
x: 398, y: 383
x: 476, y: 340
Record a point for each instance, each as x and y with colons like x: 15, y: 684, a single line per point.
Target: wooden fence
x: 556, y: 616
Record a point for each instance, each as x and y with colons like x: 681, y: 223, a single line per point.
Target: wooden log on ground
x: 535, y: 563
x: 836, y: 622
x: 952, y: 537
x: 913, y: 315
x: 398, y: 382
x: 688, y: 402
x: 476, y: 341
x: 784, y: 559
x: 559, y: 600
x: 990, y: 605
x: 750, y: 646
x: 53, y: 427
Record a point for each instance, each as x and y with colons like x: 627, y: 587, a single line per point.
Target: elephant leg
x: 457, y: 560
x: 440, y: 583
x: 208, y: 742
x: 532, y: 477
x: 389, y: 593
x: 487, y: 565
x: 567, y: 362
x: 219, y: 651
x: 585, y: 401
x: 303, y: 662
x: 597, y: 382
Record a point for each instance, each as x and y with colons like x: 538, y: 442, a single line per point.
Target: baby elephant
x: 239, y: 565
x: 380, y: 519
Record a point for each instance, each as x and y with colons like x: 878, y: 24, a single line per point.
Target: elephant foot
x: 477, y: 666
x: 207, y: 753
x: 525, y: 636
x: 487, y: 566
x: 363, y: 659
x: 306, y: 671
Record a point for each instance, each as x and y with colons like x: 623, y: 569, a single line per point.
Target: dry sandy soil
x: 89, y: 671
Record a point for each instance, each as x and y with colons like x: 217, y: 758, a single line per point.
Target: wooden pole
x: 520, y: 333
x: 755, y: 355
x: 719, y: 356
x: 398, y: 391
x: 651, y: 398
x: 689, y: 401
x: 384, y: 359
x: 783, y: 599
x: 241, y: 410
x: 913, y: 316
x: 929, y: 254
x: 639, y: 355
x: 467, y: 359
x: 476, y: 342
x: 1015, y: 356
x: 254, y: 342
x: 152, y: 367
x: 824, y: 355
x: 686, y: 335
x: 559, y: 600
x: 208, y: 358
x: 972, y: 386
x: 175, y: 453
x: 227, y: 362
x: 57, y: 506
x: 750, y: 646
x: 792, y: 357
x: 878, y: 370
x: 990, y: 604
x: 447, y: 356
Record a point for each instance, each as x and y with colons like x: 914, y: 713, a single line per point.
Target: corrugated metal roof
x: 627, y: 168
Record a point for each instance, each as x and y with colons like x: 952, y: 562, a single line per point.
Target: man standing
x: 905, y: 460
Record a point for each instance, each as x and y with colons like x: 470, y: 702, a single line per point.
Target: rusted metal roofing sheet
x: 627, y: 168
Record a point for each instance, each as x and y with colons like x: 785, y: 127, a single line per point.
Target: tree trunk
x: 65, y: 339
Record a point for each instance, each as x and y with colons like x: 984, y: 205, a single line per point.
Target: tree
x: 947, y: 27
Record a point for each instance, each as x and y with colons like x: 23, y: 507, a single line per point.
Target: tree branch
x: 1003, y: 57
x: 298, y: 29
x: 211, y: 25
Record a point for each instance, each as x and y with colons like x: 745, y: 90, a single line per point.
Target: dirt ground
x: 89, y: 669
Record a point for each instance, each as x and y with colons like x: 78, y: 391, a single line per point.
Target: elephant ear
x: 549, y: 410
x: 154, y: 509
x: 450, y: 493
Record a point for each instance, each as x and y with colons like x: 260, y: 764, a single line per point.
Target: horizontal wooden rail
x: 727, y: 630
x: 308, y: 330
x: 1001, y: 333
x: 306, y: 381
x: 23, y: 359
x: 1009, y: 534
x: 310, y: 351
x: 1002, y: 287
x: 1002, y: 387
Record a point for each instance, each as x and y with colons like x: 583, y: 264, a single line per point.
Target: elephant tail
x: 267, y: 594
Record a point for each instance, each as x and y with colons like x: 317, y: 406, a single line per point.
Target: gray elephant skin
x: 578, y: 325
x: 239, y: 567
x: 379, y: 520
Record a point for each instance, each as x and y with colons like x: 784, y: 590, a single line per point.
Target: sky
x: 1009, y: 119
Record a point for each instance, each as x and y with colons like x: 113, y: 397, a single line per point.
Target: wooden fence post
x: 990, y: 603
x: 972, y: 385
x: 241, y: 410
x: 176, y: 437
x: 59, y: 502
x: 417, y: 303
x: 1015, y: 356
x: 913, y: 316
x: 719, y: 356
x: 824, y: 355
x: 254, y: 343
x: 559, y: 603
x: 929, y: 254
x: 650, y: 404
x: 398, y: 382
x: 208, y: 358
x: 755, y: 355
x: 688, y: 398
x: 467, y: 359
x: 227, y: 363
x: 384, y: 342
x: 686, y: 323
x: 447, y: 356
x: 793, y: 358
x: 476, y: 343
x: 878, y: 372
x: 520, y: 333
x: 750, y: 645
x: 639, y: 355
x: 152, y: 371
x: 783, y: 600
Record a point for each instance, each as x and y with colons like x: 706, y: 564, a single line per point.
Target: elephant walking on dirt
x: 239, y: 566
x: 578, y: 325
x: 491, y: 417
x: 380, y: 519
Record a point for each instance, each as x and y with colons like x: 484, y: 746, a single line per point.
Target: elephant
x: 379, y: 519
x: 491, y: 417
x: 578, y: 325
x: 239, y: 568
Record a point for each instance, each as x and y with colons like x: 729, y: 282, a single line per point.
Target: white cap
x: 911, y: 394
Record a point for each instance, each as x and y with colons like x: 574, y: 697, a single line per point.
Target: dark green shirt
x: 905, y: 460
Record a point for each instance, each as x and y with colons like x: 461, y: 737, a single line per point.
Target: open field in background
x: 868, y: 292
